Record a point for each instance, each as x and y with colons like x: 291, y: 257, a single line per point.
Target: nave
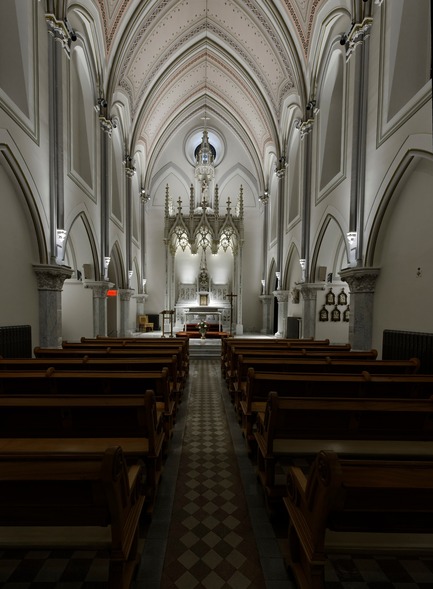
x: 210, y: 527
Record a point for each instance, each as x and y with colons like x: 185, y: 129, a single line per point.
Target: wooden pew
x: 151, y: 342
x: 103, y: 364
x: 327, y: 353
x: 363, y: 384
x: 116, y: 352
x: 302, y: 426
x: 110, y: 382
x: 77, y: 501
x: 181, y: 344
x: 324, y: 365
x: 266, y: 341
x: 86, y: 423
x: 228, y: 346
x: 358, y: 495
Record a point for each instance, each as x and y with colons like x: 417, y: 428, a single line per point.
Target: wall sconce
x: 60, y: 242
x: 278, y: 276
x: 352, y: 240
x: 303, y: 263
x: 144, y: 284
x: 263, y: 283
x: 130, y: 274
x: 106, y: 264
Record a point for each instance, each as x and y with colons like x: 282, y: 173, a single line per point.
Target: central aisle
x: 209, y: 528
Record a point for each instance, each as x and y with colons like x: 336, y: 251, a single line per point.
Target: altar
x: 207, y: 314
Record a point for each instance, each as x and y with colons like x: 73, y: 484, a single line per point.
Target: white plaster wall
x: 19, y: 298
x: 77, y: 311
x: 404, y: 294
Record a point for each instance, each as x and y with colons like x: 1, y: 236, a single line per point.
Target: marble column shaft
x: 125, y: 295
x: 362, y: 282
x: 50, y: 281
x: 282, y: 297
x: 267, y: 307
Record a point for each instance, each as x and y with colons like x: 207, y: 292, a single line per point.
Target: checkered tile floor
x: 210, y: 528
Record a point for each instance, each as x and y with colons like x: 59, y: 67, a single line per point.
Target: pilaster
x: 50, y: 280
x: 99, y: 305
x: 140, y: 299
x: 362, y: 282
x: 309, y: 295
x: 267, y: 301
x: 125, y: 295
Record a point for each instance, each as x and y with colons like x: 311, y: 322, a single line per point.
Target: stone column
x: 282, y: 297
x: 130, y: 170
x: 58, y: 47
x: 309, y: 295
x: 305, y: 129
x: 106, y: 128
x: 362, y: 282
x: 124, y: 299
x: 50, y: 285
x: 280, y: 172
x: 140, y: 300
x: 99, y: 306
x: 267, y: 301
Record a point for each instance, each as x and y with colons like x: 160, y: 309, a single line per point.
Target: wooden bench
x: 134, y: 342
x: 110, y: 382
x: 116, y: 352
x: 256, y: 344
x: 298, y: 427
x: 77, y: 501
x: 326, y: 353
x: 358, y: 495
x: 141, y: 342
x: 85, y: 363
x: 363, y: 384
x: 324, y: 365
x: 86, y: 423
x: 263, y: 342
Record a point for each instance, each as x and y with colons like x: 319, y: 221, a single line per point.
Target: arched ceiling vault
x: 245, y: 57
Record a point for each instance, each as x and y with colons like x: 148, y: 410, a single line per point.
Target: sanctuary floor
x: 210, y: 528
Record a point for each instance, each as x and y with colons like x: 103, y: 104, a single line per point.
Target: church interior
x: 208, y: 193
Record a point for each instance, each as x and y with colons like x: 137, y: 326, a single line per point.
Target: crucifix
x: 231, y: 296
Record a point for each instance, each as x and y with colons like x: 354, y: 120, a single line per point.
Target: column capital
x: 266, y: 298
x: 359, y: 33
x: 282, y: 296
x: 141, y: 297
x: 309, y: 290
x: 304, y: 127
x: 106, y: 125
x: 57, y: 28
x: 360, y: 279
x: 99, y: 288
x: 125, y: 294
x: 129, y: 163
x: 50, y: 277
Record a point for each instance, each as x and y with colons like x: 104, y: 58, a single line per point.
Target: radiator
x: 403, y: 345
x: 16, y: 341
